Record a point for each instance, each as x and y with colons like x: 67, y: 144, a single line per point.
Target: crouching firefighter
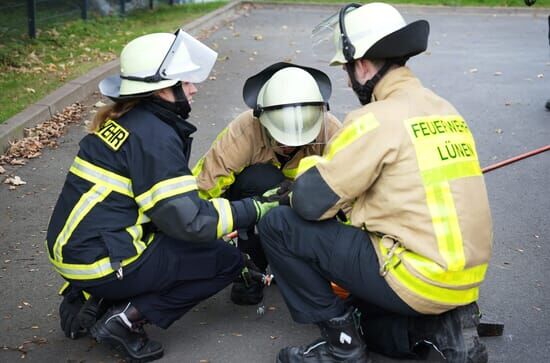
x: 262, y: 147
x: 420, y: 233
x: 129, y: 226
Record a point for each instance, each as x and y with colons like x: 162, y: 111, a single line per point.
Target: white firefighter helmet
x: 156, y: 61
x: 372, y: 31
x: 292, y: 107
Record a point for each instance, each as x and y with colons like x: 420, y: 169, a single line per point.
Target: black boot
x: 548, y: 105
x: 247, y: 294
x: 340, y: 342
x: 453, y: 333
x: 122, y: 328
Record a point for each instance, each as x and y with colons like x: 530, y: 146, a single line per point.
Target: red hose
x: 515, y: 158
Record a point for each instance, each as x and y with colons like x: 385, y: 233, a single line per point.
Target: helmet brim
x: 254, y: 84
x: 406, y: 42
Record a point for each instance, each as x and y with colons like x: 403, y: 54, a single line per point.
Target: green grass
x: 32, y: 68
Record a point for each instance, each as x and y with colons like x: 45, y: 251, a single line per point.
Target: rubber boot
x: 117, y: 329
x: 340, y: 342
x: 246, y: 294
x: 453, y: 334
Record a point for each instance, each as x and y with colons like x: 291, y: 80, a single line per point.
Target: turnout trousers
x: 306, y: 256
x: 175, y: 276
x: 253, y: 181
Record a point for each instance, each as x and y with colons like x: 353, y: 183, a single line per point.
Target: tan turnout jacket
x: 245, y: 142
x: 409, y: 165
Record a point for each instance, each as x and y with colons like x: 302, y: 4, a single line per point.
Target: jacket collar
x: 394, y: 80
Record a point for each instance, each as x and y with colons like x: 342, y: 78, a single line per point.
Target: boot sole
x: 119, y: 345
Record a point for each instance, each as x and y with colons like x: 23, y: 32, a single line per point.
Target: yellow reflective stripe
x: 308, y: 162
x: 445, y: 223
x: 165, y: 189
x: 87, y: 201
x: 222, y: 182
x: 96, y: 175
x: 350, y: 133
x: 434, y: 293
x: 63, y: 287
x: 449, y: 172
x: 433, y: 272
x: 91, y: 271
x: 225, y: 216
x: 290, y: 173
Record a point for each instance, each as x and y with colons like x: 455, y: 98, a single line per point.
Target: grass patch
x: 32, y: 68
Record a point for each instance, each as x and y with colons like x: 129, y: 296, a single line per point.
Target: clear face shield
x: 323, y: 42
x: 187, y: 60
x: 329, y: 40
x: 296, y: 125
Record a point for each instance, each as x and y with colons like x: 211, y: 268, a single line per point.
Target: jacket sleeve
x: 350, y: 164
x: 166, y: 192
x: 230, y: 153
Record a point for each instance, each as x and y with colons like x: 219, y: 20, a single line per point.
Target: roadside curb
x: 81, y: 87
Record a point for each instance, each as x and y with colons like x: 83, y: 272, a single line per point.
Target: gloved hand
x: 280, y: 194
x: 73, y: 300
x: 263, y: 206
x: 250, y: 271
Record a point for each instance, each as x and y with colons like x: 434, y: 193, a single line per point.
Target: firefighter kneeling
x: 420, y: 233
x: 129, y: 226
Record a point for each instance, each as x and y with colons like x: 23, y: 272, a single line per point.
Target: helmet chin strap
x: 364, y: 91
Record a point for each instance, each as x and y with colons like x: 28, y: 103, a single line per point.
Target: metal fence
x: 30, y: 16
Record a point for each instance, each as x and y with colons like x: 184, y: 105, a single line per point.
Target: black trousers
x: 306, y: 256
x: 176, y: 276
x: 254, y: 180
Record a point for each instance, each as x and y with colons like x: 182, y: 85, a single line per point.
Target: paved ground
x: 506, y: 113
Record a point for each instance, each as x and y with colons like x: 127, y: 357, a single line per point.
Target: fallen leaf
x: 99, y: 104
x: 30, y: 90
x: 2, y: 170
x: 16, y: 180
x: 272, y: 308
x: 35, y: 327
x: 473, y: 70
x: 273, y: 337
x: 258, y: 37
x: 298, y: 51
x: 212, y: 78
x: 536, y: 236
x: 251, y: 59
x: 237, y: 334
x: 27, y: 304
x: 498, y: 131
x: 507, y: 103
x: 204, y: 361
x: 498, y: 74
x: 540, y: 75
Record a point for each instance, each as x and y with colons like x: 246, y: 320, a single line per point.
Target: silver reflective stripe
x: 225, y: 218
x: 101, y: 269
x: 148, y: 200
x: 94, y: 176
x: 80, y: 210
x: 137, y: 233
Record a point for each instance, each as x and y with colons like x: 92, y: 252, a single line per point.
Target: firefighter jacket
x: 408, y: 164
x: 129, y: 185
x: 245, y: 142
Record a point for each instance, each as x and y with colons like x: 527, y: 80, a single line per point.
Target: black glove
x: 250, y: 271
x: 73, y: 300
x: 280, y: 194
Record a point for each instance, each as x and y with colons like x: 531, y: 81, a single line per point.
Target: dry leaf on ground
x: 15, y: 181
x: 42, y: 135
x: 2, y: 170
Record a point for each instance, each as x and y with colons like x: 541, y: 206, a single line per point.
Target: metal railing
x: 30, y: 16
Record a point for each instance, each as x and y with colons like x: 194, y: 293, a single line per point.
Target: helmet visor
x: 322, y: 38
x: 295, y: 125
x: 187, y: 60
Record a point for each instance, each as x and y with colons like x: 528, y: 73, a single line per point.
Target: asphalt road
x: 493, y: 65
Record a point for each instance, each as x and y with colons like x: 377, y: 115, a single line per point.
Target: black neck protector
x: 364, y: 91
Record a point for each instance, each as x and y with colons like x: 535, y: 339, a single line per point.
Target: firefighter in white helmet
x: 420, y: 234
x: 262, y: 147
x: 129, y: 225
